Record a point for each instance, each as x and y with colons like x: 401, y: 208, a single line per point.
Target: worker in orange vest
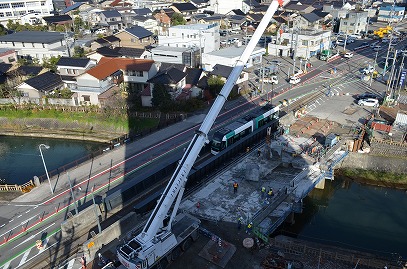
x: 235, y: 186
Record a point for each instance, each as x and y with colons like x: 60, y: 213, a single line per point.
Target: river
x: 345, y: 213
x: 20, y: 158
x: 351, y: 215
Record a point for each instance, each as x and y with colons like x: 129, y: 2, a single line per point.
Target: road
x: 24, y: 222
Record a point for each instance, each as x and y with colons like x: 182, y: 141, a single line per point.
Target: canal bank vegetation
x: 372, y: 177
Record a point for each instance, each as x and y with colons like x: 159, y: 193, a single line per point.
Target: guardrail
x: 26, y: 187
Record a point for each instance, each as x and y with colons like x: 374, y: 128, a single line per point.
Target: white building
x: 223, y: 7
x: 37, y: 44
x: 229, y: 56
x: 354, y: 22
x: 310, y: 42
x: 174, y: 55
x: 205, y: 36
x: 15, y: 9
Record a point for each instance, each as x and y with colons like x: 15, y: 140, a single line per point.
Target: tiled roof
x: 141, y: 18
x: 200, y: 1
x: 129, y: 52
x: 57, y: 19
x: 29, y: 70
x: 70, y: 61
x: 252, y: 3
x: 102, y: 41
x: 238, y: 12
x: 193, y: 76
x: 111, y: 13
x: 236, y: 18
x: 222, y: 70
x: 311, y: 17
x: 33, y: 37
x: 171, y: 75
x: 142, y: 11
x: 4, y: 68
x: 108, y: 66
x: 138, y: 32
x: 45, y: 82
x: 108, y: 52
x: 255, y: 16
x: 185, y: 7
x: 70, y: 8
x: 111, y: 38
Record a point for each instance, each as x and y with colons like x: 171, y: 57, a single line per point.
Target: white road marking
x: 16, y: 227
x: 19, y: 216
x: 44, y: 244
x: 25, y: 256
x: 11, y: 220
x: 38, y: 254
x: 69, y: 265
x: 2, y: 225
x: 32, y: 236
x: 27, y: 211
x: 6, y: 265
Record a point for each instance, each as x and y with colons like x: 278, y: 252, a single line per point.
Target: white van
x: 101, y: 31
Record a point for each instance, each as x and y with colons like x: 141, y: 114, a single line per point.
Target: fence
x: 15, y: 187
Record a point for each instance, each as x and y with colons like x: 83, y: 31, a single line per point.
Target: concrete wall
x: 81, y: 223
x: 377, y: 163
x: 114, y: 231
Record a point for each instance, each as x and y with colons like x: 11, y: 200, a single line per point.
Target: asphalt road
x: 39, y: 215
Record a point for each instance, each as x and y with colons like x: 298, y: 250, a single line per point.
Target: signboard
x: 403, y: 77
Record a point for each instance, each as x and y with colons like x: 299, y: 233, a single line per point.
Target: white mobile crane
x: 165, y: 232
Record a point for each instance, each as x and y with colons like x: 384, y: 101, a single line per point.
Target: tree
x: 51, y: 63
x: 78, y: 23
x: 177, y: 19
x: 161, y: 97
x: 78, y: 52
x: 215, y: 84
x: 3, y: 30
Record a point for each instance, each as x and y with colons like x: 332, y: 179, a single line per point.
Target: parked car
x: 374, y: 44
x: 294, y: 80
x: 101, y: 31
x: 348, y: 55
x: 368, y: 95
x: 385, y: 40
x: 377, y: 48
x: 355, y: 36
x: 223, y: 42
x: 368, y: 70
x: 369, y: 102
x: 271, y: 80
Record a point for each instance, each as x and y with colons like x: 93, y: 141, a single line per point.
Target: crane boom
x: 158, y: 225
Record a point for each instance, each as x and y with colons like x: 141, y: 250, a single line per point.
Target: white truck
x: 166, y: 234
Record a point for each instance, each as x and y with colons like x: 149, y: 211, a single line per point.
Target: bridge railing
x: 26, y: 187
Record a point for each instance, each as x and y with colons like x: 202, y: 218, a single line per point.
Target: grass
x: 119, y: 122
x: 374, y: 176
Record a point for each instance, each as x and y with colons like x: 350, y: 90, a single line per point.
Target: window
x: 305, y: 42
x: 18, y: 4
x: 69, y: 71
x: 2, y: 6
x: 86, y: 98
x: 345, y: 23
x: 42, y: 3
x: 182, y: 35
x: 33, y: 44
x: 1, y: 14
x: 133, y: 40
x: 43, y: 45
x: 9, y: 14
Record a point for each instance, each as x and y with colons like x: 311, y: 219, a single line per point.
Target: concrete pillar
x: 290, y: 219
x: 321, y: 185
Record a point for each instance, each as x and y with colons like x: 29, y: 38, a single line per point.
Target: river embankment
x: 386, y: 171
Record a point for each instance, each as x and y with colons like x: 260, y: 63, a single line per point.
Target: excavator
x: 165, y: 233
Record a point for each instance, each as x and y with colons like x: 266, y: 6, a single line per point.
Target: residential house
x: 391, y: 13
x: 186, y: 9
x: 152, y: 5
x: 337, y: 9
x: 354, y: 22
x: 112, y: 18
x: 65, y: 20
x: 41, y: 85
x: 14, y: 10
x: 172, y: 77
x: 236, y: 12
x: 229, y: 57
x: 106, y: 41
x: 215, y: 18
x: 120, y: 3
x: 224, y: 7
x: 71, y: 8
x: 117, y: 52
x: 224, y: 71
x: 135, y: 37
x: 7, y: 55
x: 204, y: 36
x: 4, y: 68
x: 192, y: 79
x: 28, y: 71
x: 143, y: 11
x: 110, y: 73
x: 248, y: 5
x: 308, y: 21
x: 147, y: 22
x: 299, y: 8
x: 175, y: 55
x: 310, y: 42
x: 235, y: 21
x: 200, y: 4
x: 37, y: 44
x: 69, y: 68
x: 164, y: 21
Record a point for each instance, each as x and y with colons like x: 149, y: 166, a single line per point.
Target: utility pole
x: 295, y: 51
x: 402, y: 76
x: 391, y: 39
x: 374, y: 67
x: 389, y: 86
x: 73, y: 197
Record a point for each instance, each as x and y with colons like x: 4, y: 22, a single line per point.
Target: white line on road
x: 24, y: 258
x: 27, y: 211
x: 69, y: 265
x: 11, y: 220
x: 32, y: 236
x: 6, y: 265
x: 19, y: 216
x: 23, y: 222
x: 2, y: 225
x: 38, y: 254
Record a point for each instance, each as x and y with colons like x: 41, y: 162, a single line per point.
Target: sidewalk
x: 90, y: 168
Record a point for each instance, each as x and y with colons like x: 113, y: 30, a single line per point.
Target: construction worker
x: 249, y: 228
x: 270, y: 193
x: 235, y: 186
x: 263, y: 192
x: 239, y: 223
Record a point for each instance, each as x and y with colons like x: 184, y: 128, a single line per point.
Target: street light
x: 46, y: 171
